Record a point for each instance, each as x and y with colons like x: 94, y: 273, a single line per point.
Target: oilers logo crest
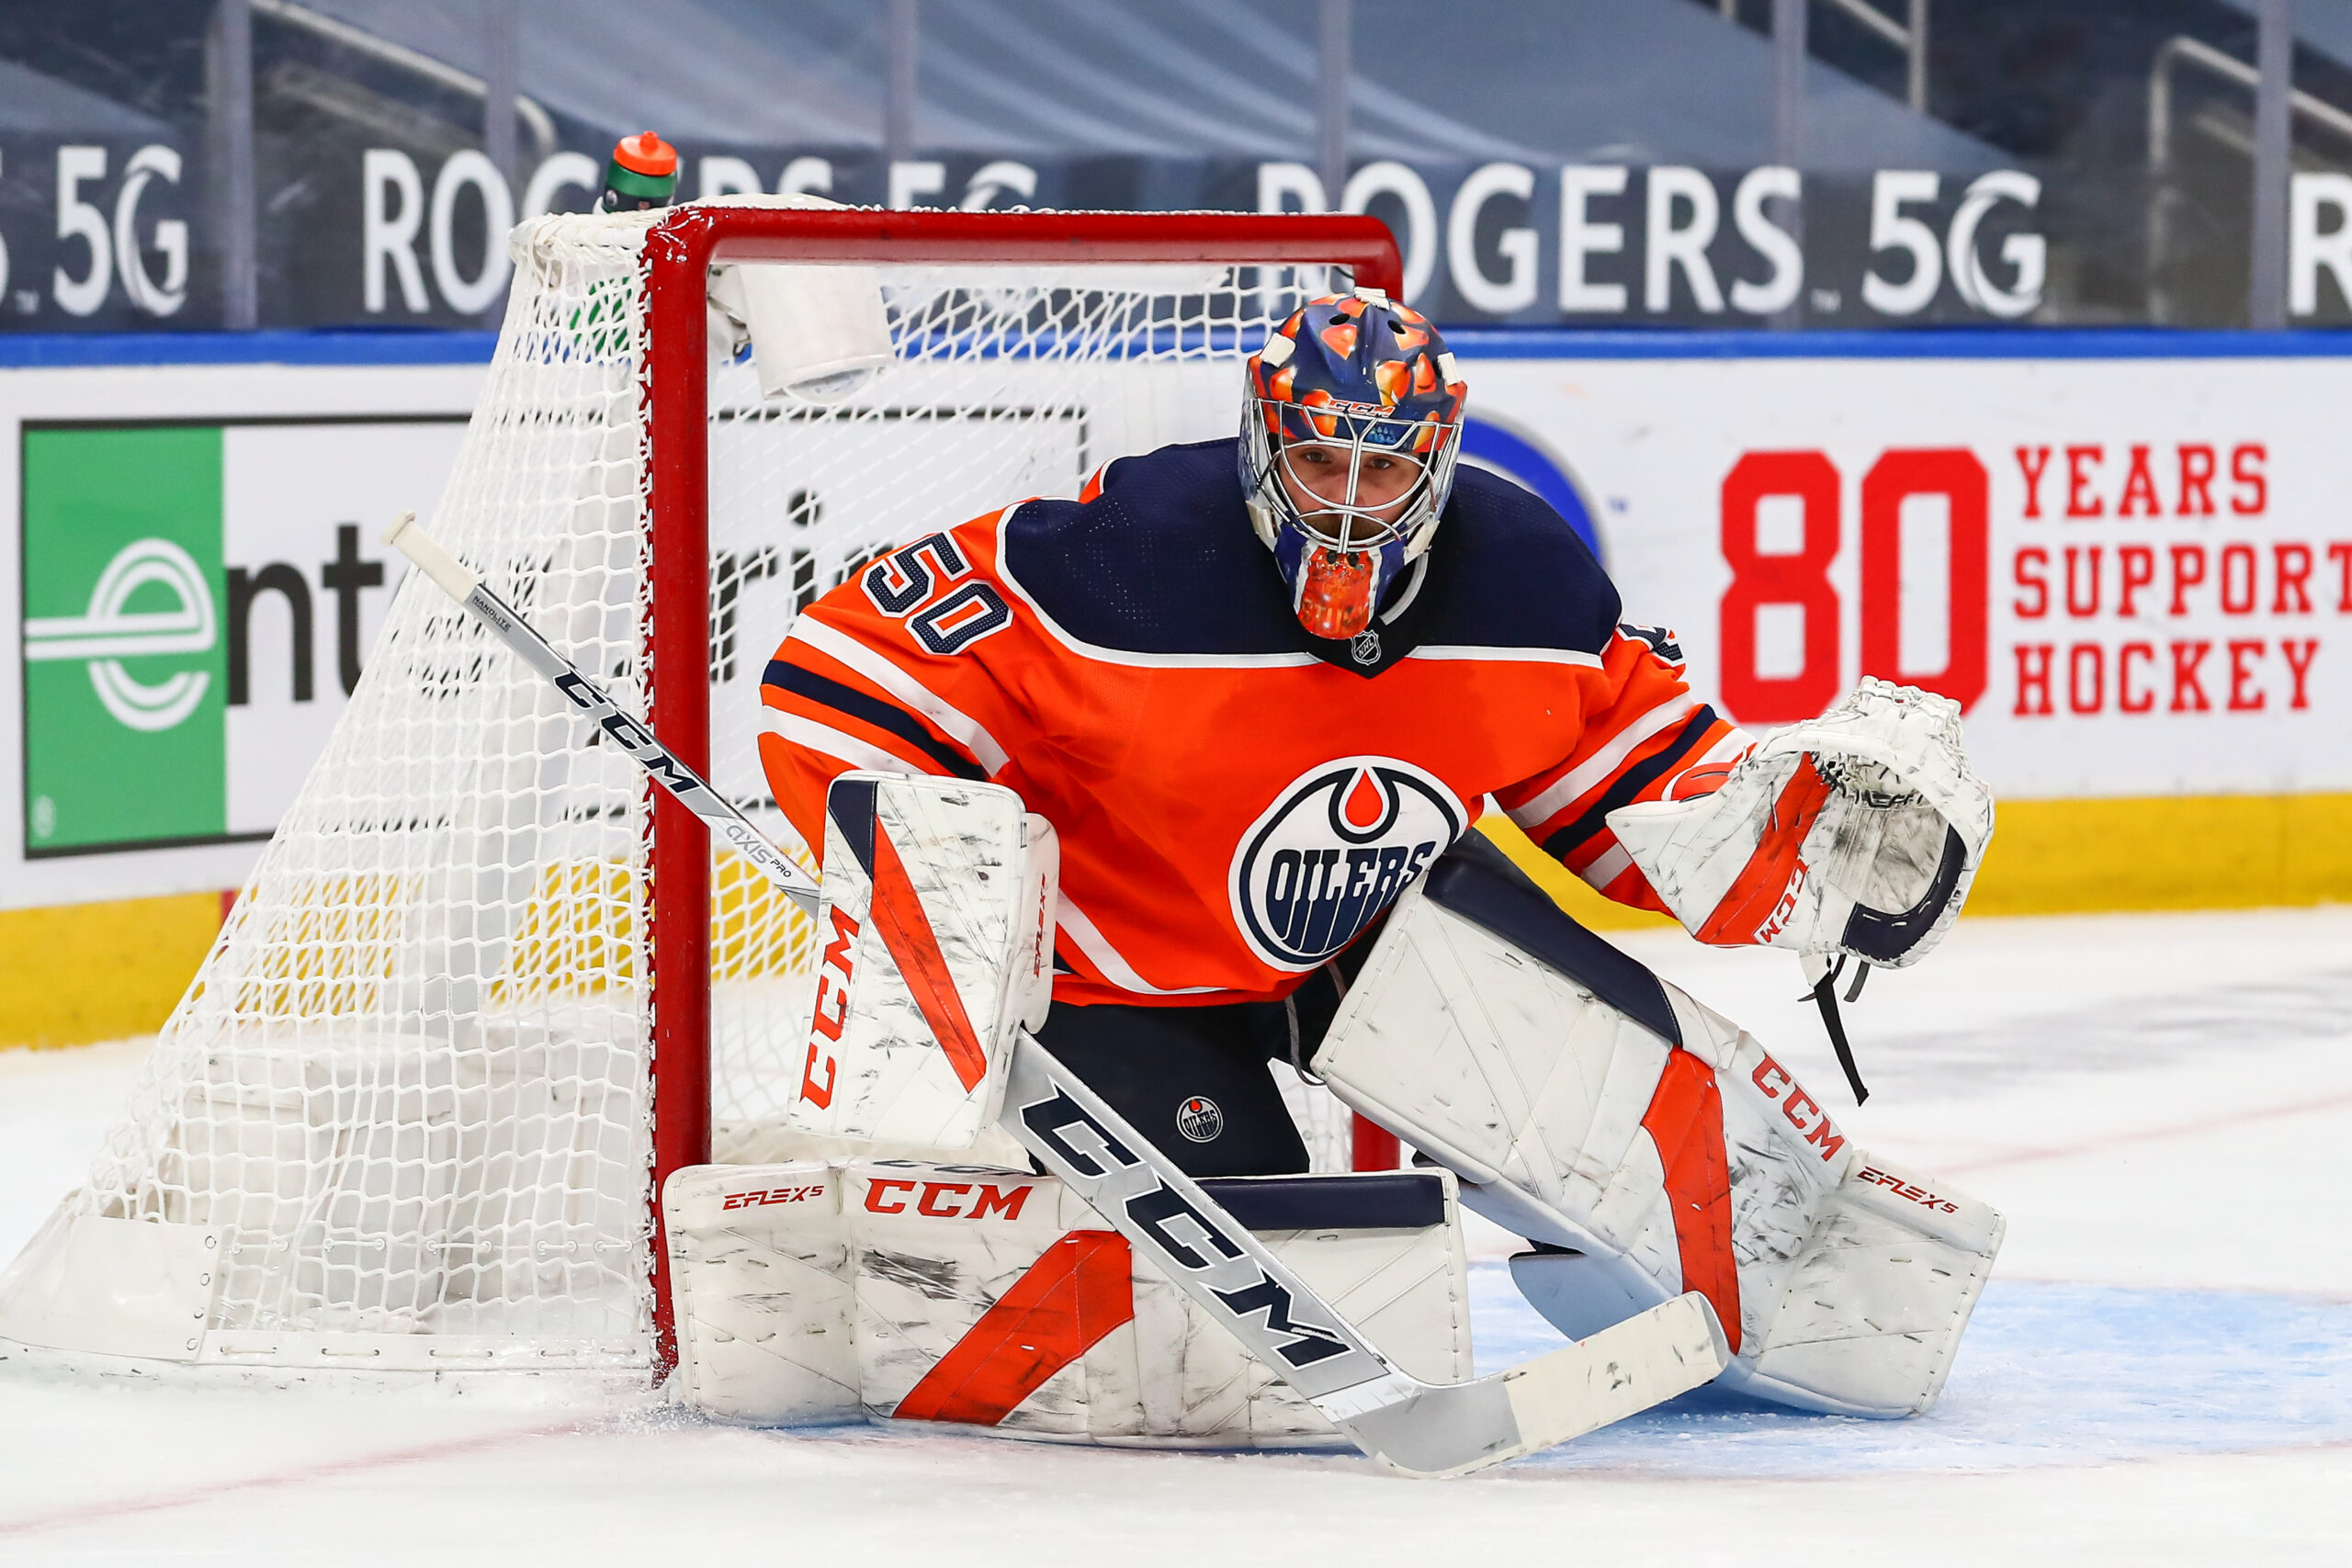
x: 1200, y: 1120
x: 1333, y: 851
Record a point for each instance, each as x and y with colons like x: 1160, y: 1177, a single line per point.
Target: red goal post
x: 678, y: 254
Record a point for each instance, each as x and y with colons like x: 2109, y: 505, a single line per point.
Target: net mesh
x: 409, y: 1083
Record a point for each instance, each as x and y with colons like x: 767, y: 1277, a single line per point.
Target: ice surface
x: 2160, y: 1372
x: 2049, y: 1374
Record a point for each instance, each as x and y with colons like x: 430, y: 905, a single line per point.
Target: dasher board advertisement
x: 160, y: 709
x: 2133, y: 572
x: 2132, y: 569
x: 196, y: 579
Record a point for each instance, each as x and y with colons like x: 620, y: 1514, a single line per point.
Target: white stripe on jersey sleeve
x: 1581, y: 779
x: 830, y: 742
x: 1611, y: 863
x: 1109, y: 961
x: 953, y: 722
x: 1723, y: 750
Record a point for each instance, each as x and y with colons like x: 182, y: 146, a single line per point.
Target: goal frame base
x: 508, y: 1379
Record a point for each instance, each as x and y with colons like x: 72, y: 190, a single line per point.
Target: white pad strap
x: 934, y: 941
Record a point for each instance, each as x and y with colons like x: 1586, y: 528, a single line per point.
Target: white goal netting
x: 409, y: 1086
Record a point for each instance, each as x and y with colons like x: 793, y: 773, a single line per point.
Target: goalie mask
x: 1350, y: 425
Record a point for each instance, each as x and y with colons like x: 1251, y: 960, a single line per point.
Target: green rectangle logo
x: 125, y: 667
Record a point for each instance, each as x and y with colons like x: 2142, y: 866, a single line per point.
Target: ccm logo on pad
x: 833, y: 975
x: 1803, y: 1113
x: 946, y: 1200
x: 1782, y: 912
x: 773, y: 1195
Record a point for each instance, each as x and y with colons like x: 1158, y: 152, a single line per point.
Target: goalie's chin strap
x: 1825, y: 997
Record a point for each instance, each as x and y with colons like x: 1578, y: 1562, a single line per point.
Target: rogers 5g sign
x: 111, y: 246
x: 1598, y: 242
x: 1609, y: 242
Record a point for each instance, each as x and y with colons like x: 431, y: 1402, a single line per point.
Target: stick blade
x: 1621, y: 1371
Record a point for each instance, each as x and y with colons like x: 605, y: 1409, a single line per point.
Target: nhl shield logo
x: 1332, y: 851
x: 1200, y: 1120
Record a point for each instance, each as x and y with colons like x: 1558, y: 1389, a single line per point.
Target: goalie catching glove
x: 1858, y: 833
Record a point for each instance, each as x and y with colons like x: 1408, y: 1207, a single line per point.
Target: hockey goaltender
x: 1197, y: 752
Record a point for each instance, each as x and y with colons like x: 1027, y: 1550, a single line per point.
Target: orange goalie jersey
x: 1238, y: 800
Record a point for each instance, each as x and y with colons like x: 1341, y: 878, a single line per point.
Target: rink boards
x: 2123, y: 552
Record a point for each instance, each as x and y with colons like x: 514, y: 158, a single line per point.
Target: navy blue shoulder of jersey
x: 1506, y: 570
x: 1163, y: 561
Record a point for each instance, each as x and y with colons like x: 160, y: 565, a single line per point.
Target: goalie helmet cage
x: 486, y: 989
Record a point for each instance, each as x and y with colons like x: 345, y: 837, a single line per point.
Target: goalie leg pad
x: 1028, y: 1316
x: 1589, y: 1106
x: 993, y: 1299
x: 758, y: 1270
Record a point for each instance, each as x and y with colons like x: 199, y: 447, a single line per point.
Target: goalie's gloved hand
x: 1857, y: 832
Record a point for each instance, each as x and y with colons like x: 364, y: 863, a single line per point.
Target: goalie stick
x: 687, y: 786
x: 1411, y: 1426
x: 1414, y: 1428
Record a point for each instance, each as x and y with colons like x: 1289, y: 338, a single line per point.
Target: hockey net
x: 414, y: 1092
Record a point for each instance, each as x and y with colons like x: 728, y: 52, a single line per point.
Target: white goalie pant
x: 1588, y: 1105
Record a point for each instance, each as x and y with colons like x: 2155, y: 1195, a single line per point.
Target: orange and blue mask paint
x: 1366, y: 376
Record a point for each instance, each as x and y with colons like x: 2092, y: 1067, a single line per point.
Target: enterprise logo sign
x: 199, y: 599
x: 110, y: 631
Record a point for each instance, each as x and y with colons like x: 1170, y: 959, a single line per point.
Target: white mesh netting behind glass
x: 409, y: 1081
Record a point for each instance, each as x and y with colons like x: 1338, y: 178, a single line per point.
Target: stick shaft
x: 1417, y: 1427
x: 637, y: 743
x: 1227, y: 1273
